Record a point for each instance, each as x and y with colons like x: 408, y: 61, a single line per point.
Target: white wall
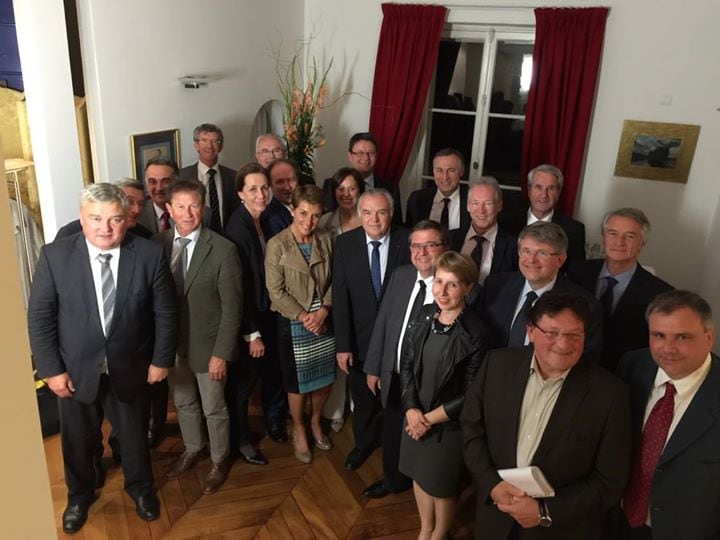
x: 652, y: 47
x: 134, y: 52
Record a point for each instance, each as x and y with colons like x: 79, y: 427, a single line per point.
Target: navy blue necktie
x: 375, y: 274
x: 518, y: 330
x: 606, y: 299
x: 215, y: 223
x: 445, y: 215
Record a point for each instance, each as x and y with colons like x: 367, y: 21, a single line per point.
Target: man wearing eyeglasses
x: 546, y: 406
x: 219, y: 181
x: 493, y: 250
x: 269, y: 147
x: 544, y: 184
x: 362, y: 156
x: 507, y: 298
x: 409, y: 288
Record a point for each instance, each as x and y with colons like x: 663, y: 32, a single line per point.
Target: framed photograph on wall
x: 656, y: 150
x: 147, y: 145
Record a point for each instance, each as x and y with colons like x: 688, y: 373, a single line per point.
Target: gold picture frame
x: 656, y: 150
x: 143, y: 146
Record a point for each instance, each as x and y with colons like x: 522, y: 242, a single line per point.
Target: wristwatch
x: 545, y: 519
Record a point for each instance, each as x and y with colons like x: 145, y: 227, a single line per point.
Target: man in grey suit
x: 159, y: 172
x: 102, y: 322
x: 219, y: 181
x: 409, y: 288
x: 673, y: 491
x: 207, y: 273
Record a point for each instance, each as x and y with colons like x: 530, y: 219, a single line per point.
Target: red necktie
x: 637, y: 494
x: 165, y: 221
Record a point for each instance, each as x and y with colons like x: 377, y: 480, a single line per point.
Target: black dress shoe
x: 257, y: 459
x: 74, y: 518
x: 147, y: 506
x: 354, y: 460
x: 277, y: 432
x: 376, y: 490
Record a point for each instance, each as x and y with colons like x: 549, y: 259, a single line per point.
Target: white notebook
x: 530, y: 479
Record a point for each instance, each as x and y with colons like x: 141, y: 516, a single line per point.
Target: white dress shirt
x: 453, y: 208
x: 95, y: 267
x: 204, y: 177
x: 384, y: 249
x: 488, y: 249
x: 193, y: 237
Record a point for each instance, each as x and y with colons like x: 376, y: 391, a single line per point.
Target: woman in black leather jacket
x: 442, y: 353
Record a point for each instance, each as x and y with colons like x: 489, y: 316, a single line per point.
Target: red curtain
x: 566, y: 60
x: 406, y: 57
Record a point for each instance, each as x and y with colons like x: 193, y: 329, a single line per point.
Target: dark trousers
x: 158, y: 407
x: 80, y: 427
x: 365, y: 423
x: 241, y: 379
x: 392, y: 428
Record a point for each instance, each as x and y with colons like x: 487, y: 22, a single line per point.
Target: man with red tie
x: 674, y: 487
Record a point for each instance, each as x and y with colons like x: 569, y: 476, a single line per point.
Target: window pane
x: 511, y: 80
x: 458, y: 75
x: 454, y: 131
x: 502, y: 152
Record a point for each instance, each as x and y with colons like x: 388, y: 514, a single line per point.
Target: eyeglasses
x: 553, y: 335
x: 205, y: 140
x: 426, y: 245
x: 360, y: 154
x: 539, y: 253
x: 274, y: 152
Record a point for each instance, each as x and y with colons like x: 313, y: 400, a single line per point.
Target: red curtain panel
x: 406, y: 57
x: 566, y: 60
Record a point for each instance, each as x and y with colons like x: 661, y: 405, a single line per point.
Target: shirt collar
x: 203, y: 169
x: 94, y: 251
x: 542, y: 290
x: 428, y: 280
x: 490, y: 235
x: 688, y: 384
x: 193, y: 236
x: 623, y: 278
x: 532, y: 219
x: 534, y: 370
x: 384, y: 240
x: 454, y: 196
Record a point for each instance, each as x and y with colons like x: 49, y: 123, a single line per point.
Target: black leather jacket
x: 460, y: 361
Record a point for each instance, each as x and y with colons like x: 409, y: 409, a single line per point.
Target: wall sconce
x: 194, y: 81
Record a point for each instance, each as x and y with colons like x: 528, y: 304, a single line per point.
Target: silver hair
x: 546, y: 233
x: 128, y: 182
x: 637, y: 215
x: 272, y: 136
x: 104, y: 193
x: 489, y: 181
x: 557, y: 173
x: 376, y: 191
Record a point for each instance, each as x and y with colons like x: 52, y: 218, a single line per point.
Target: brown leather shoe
x: 217, y: 476
x: 183, y: 464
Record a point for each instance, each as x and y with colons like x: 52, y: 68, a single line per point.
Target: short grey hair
x: 670, y: 301
x: 104, y: 192
x: 128, y: 182
x: 637, y: 215
x: 547, y: 233
x: 489, y: 181
x: 208, y: 128
x: 557, y: 173
x: 369, y: 192
x: 275, y: 136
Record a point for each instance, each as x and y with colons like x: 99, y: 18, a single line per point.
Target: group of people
x: 465, y: 339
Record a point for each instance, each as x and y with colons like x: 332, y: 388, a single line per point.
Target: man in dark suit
x: 409, y: 288
x: 493, y: 250
x: 283, y: 176
x: 362, y: 156
x: 159, y: 172
x: 506, y: 298
x: 445, y: 201
x: 133, y: 190
x: 102, y: 322
x: 208, y: 277
x: 675, y: 398
x: 623, y: 287
x: 363, y: 261
x: 544, y: 406
x: 544, y: 184
x: 218, y: 180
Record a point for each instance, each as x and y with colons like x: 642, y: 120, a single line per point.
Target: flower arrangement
x: 303, y: 134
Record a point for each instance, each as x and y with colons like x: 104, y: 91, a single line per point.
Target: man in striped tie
x: 102, y: 323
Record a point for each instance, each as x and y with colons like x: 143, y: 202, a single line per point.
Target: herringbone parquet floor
x: 283, y: 500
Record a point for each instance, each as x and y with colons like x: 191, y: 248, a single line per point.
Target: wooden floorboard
x: 283, y: 500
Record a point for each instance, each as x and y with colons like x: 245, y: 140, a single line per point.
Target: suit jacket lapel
x: 126, y: 268
x: 512, y: 404
x: 200, y: 253
x: 514, y: 288
x: 394, y: 247
x: 572, y: 394
x: 700, y: 415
